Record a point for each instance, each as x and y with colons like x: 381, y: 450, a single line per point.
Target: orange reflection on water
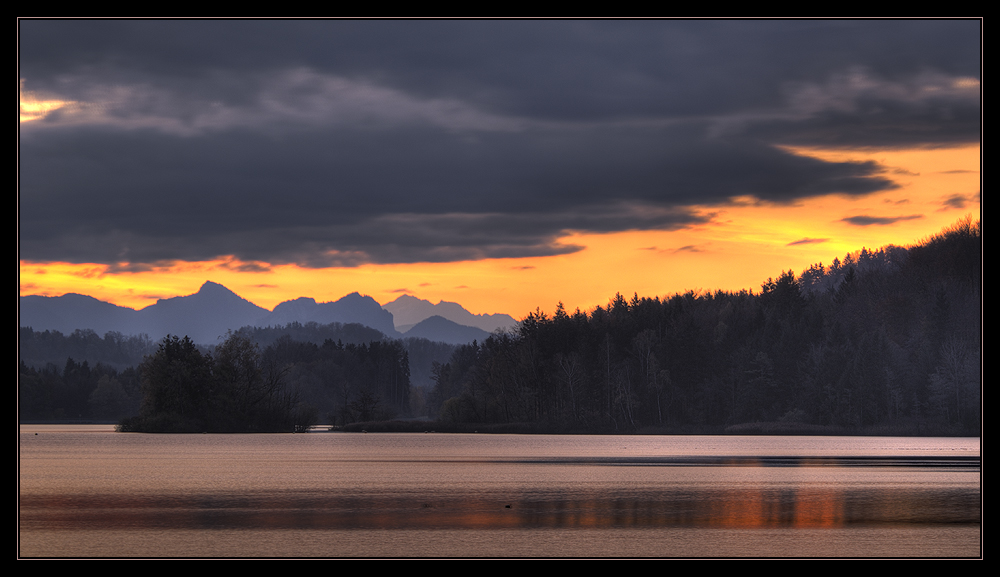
x: 819, y: 509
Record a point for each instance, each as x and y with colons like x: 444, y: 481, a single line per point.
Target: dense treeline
x: 236, y: 386
x: 884, y: 341
x: 343, y: 372
x: 236, y: 389
x: 38, y: 349
x: 77, y: 391
x: 347, y: 383
x: 312, y: 332
x: 422, y: 352
x: 239, y: 388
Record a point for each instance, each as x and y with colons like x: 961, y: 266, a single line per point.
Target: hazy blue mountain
x: 408, y: 311
x: 440, y: 329
x: 205, y: 316
x: 353, y: 308
x: 74, y: 311
x: 208, y: 314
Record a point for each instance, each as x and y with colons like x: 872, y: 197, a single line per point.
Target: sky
x: 507, y: 165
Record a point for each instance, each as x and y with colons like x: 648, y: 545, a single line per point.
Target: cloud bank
x: 338, y: 143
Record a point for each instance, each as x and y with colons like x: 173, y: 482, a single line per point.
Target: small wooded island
x: 234, y: 391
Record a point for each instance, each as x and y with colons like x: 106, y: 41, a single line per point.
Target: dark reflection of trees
x: 690, y: 507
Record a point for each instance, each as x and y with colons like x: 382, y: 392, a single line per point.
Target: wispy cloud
x: 807, y: 241
x: 244, y: 266
x: 958, y: 201
x: 878, y: 220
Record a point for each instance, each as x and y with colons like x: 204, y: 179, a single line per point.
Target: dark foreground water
x: 86, y: 491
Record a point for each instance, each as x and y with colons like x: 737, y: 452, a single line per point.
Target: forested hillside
x: 885, y: 342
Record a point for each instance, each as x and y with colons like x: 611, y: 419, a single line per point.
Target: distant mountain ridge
x: 408, y: 310
x: 208, y: 314
x: 352, y: 308
x: 75, y: 311
x: 442, y: 330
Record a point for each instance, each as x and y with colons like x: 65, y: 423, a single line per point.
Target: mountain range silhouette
x: 208, y: 314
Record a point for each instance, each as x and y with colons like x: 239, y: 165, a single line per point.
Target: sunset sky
x: 504, y: 165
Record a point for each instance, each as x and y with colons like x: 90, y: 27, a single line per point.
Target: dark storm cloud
x: 328, y: 143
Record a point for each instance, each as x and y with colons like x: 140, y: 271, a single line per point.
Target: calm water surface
x: 86, y: 491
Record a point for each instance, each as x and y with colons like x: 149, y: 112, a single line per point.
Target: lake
x: 86, y: 491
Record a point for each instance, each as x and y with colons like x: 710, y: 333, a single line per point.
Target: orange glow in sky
x: 33, y: 107
x: 742, y: 245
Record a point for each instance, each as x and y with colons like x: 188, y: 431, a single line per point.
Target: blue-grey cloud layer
x: 329, y: 143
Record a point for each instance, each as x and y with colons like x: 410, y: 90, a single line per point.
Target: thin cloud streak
x: 958, y: 201
x: 878, y: 220
x: 808, y: 241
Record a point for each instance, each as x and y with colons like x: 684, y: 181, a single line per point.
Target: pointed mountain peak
x: 213, y: 287
x: 208, y: 289
x: 356, y: 297
x: 404, y: 300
